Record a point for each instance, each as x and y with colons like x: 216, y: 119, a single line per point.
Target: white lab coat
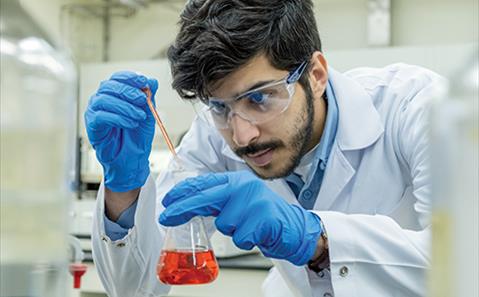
x: 375, y: 199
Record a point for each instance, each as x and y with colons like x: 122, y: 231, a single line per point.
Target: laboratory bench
x: 238, y: 277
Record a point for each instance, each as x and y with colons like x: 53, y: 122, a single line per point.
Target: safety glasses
x: 259, y: 105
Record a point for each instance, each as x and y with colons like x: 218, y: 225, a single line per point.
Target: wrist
x: 117, y: 202
x: 312, y: 232
x: 321, y: 247
x: 320, y: 259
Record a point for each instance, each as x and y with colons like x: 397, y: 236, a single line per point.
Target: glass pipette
x: 170, y: 145
x: 177, y: 266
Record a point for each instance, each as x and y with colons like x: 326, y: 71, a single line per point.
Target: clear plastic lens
x: 258, y: 106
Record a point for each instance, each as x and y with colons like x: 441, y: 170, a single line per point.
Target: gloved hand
x: 247, y: 210
x: 120, y: 128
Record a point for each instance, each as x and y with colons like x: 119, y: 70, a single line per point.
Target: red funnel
x: 77, y: 270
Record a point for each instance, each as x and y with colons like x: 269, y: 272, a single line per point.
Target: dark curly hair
x: 218, y: 36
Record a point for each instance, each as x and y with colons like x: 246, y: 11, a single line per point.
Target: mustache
x: 256, y: 147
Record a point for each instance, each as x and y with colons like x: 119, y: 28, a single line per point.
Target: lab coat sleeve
x: 127, y: 266
x: 373, y: 255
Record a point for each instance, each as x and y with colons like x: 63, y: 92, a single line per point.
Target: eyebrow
x: 255, y: 86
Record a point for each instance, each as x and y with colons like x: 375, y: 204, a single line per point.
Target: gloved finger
x: 98, y: 120
x: 123, y: 91
x: 268, y: 254
x: 206, y: 203
x: 262, y: 231
x: 194, y: 185
x: 243, y: 237
x: 232, y: 214
x: 137, y: 80
x: 134, y: 79
x: 153, y: 85
x: 257, y: 230
x: 175, y: 219
x: 95, y: 136
x: 267, y: 232
x: 114, y: 105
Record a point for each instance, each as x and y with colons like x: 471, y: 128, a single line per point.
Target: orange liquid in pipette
x: 187, y: 268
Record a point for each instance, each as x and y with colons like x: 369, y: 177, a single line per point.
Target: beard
x: 297, y: 144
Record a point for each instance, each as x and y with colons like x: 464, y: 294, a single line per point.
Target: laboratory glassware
x: 76, y: 267
x: 38, y: 117
x: 187, y: 257
x: 455, y: 190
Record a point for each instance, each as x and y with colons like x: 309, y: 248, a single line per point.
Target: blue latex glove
x: 120, y: 128
x: 247, y: 210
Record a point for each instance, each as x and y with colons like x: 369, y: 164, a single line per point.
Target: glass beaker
x: 187, y: 257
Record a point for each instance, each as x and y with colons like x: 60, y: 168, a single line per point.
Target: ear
x: 318, y: 74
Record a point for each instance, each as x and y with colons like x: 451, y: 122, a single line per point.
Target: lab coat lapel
x: 359, y: 123
x: 359, y: 126
x: 337, y: 175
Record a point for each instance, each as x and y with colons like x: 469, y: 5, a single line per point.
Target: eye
x: 217, y: 107
x: 258, y: 97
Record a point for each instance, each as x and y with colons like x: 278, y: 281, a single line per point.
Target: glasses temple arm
x: 296, y: 74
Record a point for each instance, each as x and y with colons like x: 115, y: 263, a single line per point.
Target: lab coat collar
x: 359, y: 126
x: 359, y: 123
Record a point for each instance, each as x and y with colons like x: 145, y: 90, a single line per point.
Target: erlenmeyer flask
x: 187, y: 257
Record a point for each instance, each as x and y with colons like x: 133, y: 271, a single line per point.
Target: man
x: 326, y: 173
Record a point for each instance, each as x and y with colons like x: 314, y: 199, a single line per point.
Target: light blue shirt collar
x: 319, y: 155
x: 307, y: 178
x: 330, y: 128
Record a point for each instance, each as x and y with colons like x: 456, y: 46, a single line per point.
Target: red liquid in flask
x: 178, y: 267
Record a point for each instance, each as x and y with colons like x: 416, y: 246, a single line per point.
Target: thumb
x: 153, y: 85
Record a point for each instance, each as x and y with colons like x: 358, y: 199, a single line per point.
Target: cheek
x: 277, y: 128
x: 292, y: 118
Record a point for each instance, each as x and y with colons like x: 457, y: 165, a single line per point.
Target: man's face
x: 274, y: 148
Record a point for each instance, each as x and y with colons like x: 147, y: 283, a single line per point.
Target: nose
x: 244, y: 132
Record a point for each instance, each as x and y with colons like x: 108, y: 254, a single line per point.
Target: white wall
x: 432, y: 22
x: 145, y: 34
x: 79, y: 33
x: 47, y: 15
x: 342, y: 25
